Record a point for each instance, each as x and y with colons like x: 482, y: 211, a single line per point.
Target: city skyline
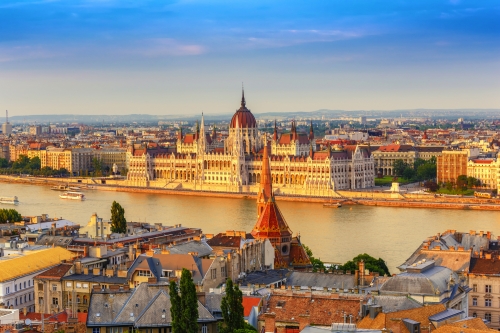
x: 188, y: 57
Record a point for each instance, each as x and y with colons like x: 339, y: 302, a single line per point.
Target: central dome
x: 243, y: 116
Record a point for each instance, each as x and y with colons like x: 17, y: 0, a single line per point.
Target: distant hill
x: 149, y: 119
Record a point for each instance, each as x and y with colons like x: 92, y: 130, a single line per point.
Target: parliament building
x: 297, y: 168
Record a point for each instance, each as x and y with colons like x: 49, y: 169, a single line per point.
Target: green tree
x: 184, y: 307
x: 426, y: 171
x: 3, y: 163
x: 408, y: 173
x: 35, y: 163
x: 175, y: 308
x: 473, y: 182
x: 462, y: 182
x: 232, y: 309
x: 399, y: 167
x: 118, y: 222
x: 372, y: 264
x: 97, y: 166
x: 21, y: 163
x: 317, y: 264
x: 10, y: 215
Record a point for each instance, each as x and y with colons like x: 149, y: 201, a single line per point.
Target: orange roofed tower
x: 272, y: 225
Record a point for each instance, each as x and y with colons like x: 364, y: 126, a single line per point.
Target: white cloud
x: 158, y: 47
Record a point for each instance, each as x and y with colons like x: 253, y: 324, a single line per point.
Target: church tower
x: 271, y: 223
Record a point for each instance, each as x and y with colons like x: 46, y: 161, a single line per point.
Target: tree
x: 232, y: 309
x: 10, y: 215
x: 462, y: 182
x: 4, y: 163
x: 97, y: 165
x: 372, y: 264
x: 408, y: 173
x: 317, y: 264
x: 184, y: 307
x: 118, y: 222
x: 21, y: 163
x: 399, y: 167
x: 431, y: 185
x: 35, y: 163
x: 426, y: 171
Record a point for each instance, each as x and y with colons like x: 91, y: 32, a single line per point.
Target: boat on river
x: 332, y: 205
x: 9, y: 200
x: 72, y: 196
x: 60, y: 188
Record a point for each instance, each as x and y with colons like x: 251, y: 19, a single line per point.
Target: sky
x: 187, y: 57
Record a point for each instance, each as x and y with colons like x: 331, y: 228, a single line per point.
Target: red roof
x: 248, y: 303
x: 61, y: 317
x: 271, y: 223
x: 243, y: 117
x: 298, y: 256
x: 55, y: 273
x: 483, y: 161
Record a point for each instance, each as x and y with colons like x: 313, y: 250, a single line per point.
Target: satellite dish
x: 27, y: 322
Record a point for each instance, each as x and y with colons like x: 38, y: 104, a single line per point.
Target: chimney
x: 201, y: 297
x: 304, y: 320
x: 269, y: 322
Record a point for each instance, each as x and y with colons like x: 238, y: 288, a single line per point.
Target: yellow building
x: 16, y: 276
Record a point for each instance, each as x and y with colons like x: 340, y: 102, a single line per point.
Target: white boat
x: 72, y: 196
x: 60, y: 188
x: 9, y: 200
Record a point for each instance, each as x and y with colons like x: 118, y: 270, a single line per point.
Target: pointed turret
x: 243, y: 103
x: 202, y: 139
x: 179, y: 134
x: 311, y: 132
x: 214, y: 133
x: 271, y: 224
x: 275, y: 133
x: 294, y: 131
x: 265, y: 189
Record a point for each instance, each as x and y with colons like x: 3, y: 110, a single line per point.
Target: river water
x: 334, y: 235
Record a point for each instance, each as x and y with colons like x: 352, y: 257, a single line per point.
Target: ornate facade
x: 200, y: 163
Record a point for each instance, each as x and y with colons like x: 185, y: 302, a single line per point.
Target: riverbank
x: 365, y: 198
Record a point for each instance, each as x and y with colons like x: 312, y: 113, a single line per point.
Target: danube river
x: 334, y: 235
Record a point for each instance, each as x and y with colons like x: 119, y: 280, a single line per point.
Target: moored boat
x: 60, y: 188
x: 72, y: 196
x: 332, y: 205
x: 9, y: 200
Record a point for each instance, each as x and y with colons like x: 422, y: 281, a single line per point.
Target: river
x: 334, y: 235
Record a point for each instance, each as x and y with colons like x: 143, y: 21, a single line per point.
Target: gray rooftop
x: 321, y: 280
x: 202, y: 248
x: 432, y: 281
x: 446, y: 314
x: 146, y: 306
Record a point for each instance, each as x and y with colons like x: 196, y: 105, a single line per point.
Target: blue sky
x: 175, y: 57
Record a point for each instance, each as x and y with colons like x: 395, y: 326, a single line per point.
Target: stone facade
x: 198, y: 163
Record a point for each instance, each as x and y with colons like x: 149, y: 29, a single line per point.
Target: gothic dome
x: 243, y: 116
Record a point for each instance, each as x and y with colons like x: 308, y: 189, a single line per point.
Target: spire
x: 275, y: 134
x: 311, y: 132
x: 179, y: 136
x: 265, y: 190
x: 294, y: 131
x: 311, y: 151
x: 243, y: 103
